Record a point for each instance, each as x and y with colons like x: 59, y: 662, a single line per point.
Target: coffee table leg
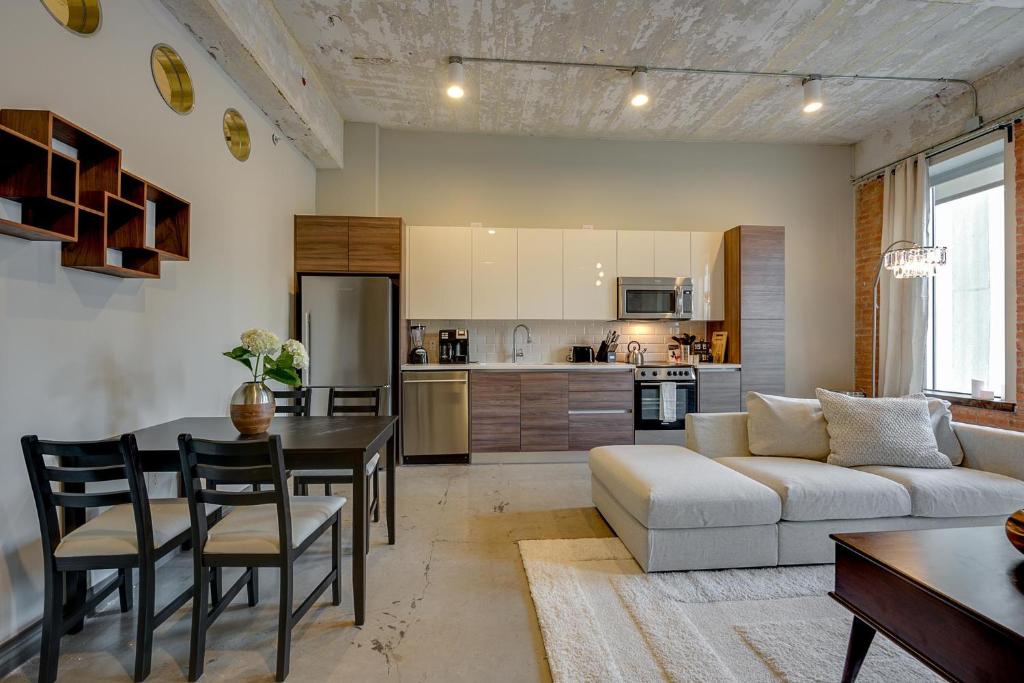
x: 392, y: 453
x: 861, y: 636
x: 359, y: 543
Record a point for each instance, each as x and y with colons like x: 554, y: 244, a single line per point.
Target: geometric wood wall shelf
x: 86, y: 201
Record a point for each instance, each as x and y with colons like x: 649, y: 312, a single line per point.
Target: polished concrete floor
x: 449, y: 602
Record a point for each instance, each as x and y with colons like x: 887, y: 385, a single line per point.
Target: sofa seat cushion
x: 955, y: 492
x: 812, y: 490
x: 670, y: 487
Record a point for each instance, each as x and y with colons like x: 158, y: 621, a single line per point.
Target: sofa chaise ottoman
x: 715, y: 505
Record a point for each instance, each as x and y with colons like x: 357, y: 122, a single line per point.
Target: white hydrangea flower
x: 299, y: 355
x: 259, y: 341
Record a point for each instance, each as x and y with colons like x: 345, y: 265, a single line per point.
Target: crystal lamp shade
x: 915, y: 261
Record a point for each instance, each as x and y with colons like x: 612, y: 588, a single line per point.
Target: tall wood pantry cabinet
x: 755, y: 305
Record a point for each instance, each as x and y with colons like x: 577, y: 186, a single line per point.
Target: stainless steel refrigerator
x: 346, y: 324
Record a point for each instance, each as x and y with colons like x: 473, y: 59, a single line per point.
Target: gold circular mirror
x: 80, y: 16
x: 172, y: 79
x: 236, y: 135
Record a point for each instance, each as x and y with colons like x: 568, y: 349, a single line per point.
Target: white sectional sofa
x: 715, y: 505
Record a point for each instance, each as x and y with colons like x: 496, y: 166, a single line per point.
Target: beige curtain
x: 903, y: 304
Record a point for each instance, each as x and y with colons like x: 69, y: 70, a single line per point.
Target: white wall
x: 83, y: 355
x: 453, y: 179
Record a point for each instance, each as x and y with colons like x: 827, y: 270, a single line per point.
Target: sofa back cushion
x: 786, y: 427
x: 942, y: 425
x: 717, y: 435
x: 880, y: 431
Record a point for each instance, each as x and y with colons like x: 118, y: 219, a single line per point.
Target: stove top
x: 664, y: 364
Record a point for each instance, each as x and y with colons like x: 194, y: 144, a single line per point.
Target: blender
x: 417, y: 354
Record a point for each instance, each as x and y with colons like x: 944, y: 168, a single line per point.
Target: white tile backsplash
x: 490, y: 341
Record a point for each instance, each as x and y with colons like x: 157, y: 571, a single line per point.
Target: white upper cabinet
x: 494, y: 273
x: 671, y: 254
x: 707, y: 255
x: 635, y: 253
x: 589, y: 259
x: 540, y: 275
x: 440, y: 273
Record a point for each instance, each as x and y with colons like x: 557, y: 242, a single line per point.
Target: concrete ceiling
x: 383, y: 62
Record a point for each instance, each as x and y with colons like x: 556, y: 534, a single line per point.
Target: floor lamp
x: 905, y: 260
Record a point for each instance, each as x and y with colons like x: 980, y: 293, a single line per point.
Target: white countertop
x: 718, y: 366
x: 523, y: 367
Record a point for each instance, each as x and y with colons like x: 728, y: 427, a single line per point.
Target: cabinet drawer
x: 321, y: 244
x: 494, y: 411
x: 591, y: 431
x: 601, y: 381
x: 604, y: 400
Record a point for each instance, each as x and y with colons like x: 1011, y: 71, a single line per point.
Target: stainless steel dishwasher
x: 435, y: 416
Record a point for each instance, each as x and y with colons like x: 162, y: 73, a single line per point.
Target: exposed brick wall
x: 868, y: 227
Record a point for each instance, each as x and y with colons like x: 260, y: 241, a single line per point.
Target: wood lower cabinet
x: 544, y: 411
x: 600, y: 409
x: 719, y: 391
x: 494, y: 413
x: 549, y: 411
x: 348, y: 244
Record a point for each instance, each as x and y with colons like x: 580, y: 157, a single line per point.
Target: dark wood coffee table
x: 953, y: 598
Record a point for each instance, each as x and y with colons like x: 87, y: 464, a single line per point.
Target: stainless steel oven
x: 655, y: 298
x: 648, y: 424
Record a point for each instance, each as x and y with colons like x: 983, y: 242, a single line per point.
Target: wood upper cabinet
x: 348, y: 244
x: 762, y: 272
x: 539, y: 274
x: 321, y: 244
x: 494, y: 412
x: 635, y: 253
x: 707, y: 259
x: 374, y: 245
x: 439, y: 278
x: 544, y: 411
x: 494, y: 273
x: 671, y: 254
x: 589, y: 272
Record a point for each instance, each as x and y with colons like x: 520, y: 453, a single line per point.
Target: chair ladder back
x: 338, y: 401
x: 299, y: 401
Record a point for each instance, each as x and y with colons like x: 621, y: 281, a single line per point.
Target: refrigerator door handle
x: 308, y: 339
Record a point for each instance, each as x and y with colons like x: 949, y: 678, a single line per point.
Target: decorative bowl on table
x: 1015, y: 530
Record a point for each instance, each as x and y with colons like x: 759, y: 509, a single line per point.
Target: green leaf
x: 269, y: 362
x: 285, y: 360
x: 238, y: 353
x: 284, y: 376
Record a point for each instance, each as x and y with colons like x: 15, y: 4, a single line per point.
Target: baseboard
x: 22, y: 647
x: 530, y: 458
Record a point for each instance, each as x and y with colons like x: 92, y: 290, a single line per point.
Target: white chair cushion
x: 812, y: 490
x: 112, y: 532
x: 670, y: 487
x: 956, y: 492
x: 370, y: 467
x: 252, y: 530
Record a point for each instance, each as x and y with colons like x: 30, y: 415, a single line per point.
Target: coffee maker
x: 417, y: 354
x: 453, y: 346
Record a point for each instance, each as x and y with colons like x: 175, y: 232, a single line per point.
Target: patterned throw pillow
x: 880, y: 431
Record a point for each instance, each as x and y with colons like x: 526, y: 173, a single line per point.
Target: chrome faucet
x: 517, y: 353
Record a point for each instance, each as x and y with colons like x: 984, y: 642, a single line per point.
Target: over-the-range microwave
x: 655, y: 298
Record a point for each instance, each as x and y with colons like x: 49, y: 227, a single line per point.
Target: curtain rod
x: 1004, y: 121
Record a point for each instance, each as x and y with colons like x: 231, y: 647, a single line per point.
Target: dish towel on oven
x: 667, y: 404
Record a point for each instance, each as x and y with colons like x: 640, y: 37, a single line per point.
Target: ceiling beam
x: 250, y: 41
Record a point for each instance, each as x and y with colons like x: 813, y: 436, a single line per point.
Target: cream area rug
x: 603, y: 619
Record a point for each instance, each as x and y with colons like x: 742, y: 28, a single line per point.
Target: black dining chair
x: 346, y: 401
x: 134, y: 531
x: 264, y: 529
x: 292, y: 401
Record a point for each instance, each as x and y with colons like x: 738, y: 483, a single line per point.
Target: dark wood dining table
x: 309, y: 443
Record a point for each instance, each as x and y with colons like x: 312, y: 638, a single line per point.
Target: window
x: 968, y: 336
